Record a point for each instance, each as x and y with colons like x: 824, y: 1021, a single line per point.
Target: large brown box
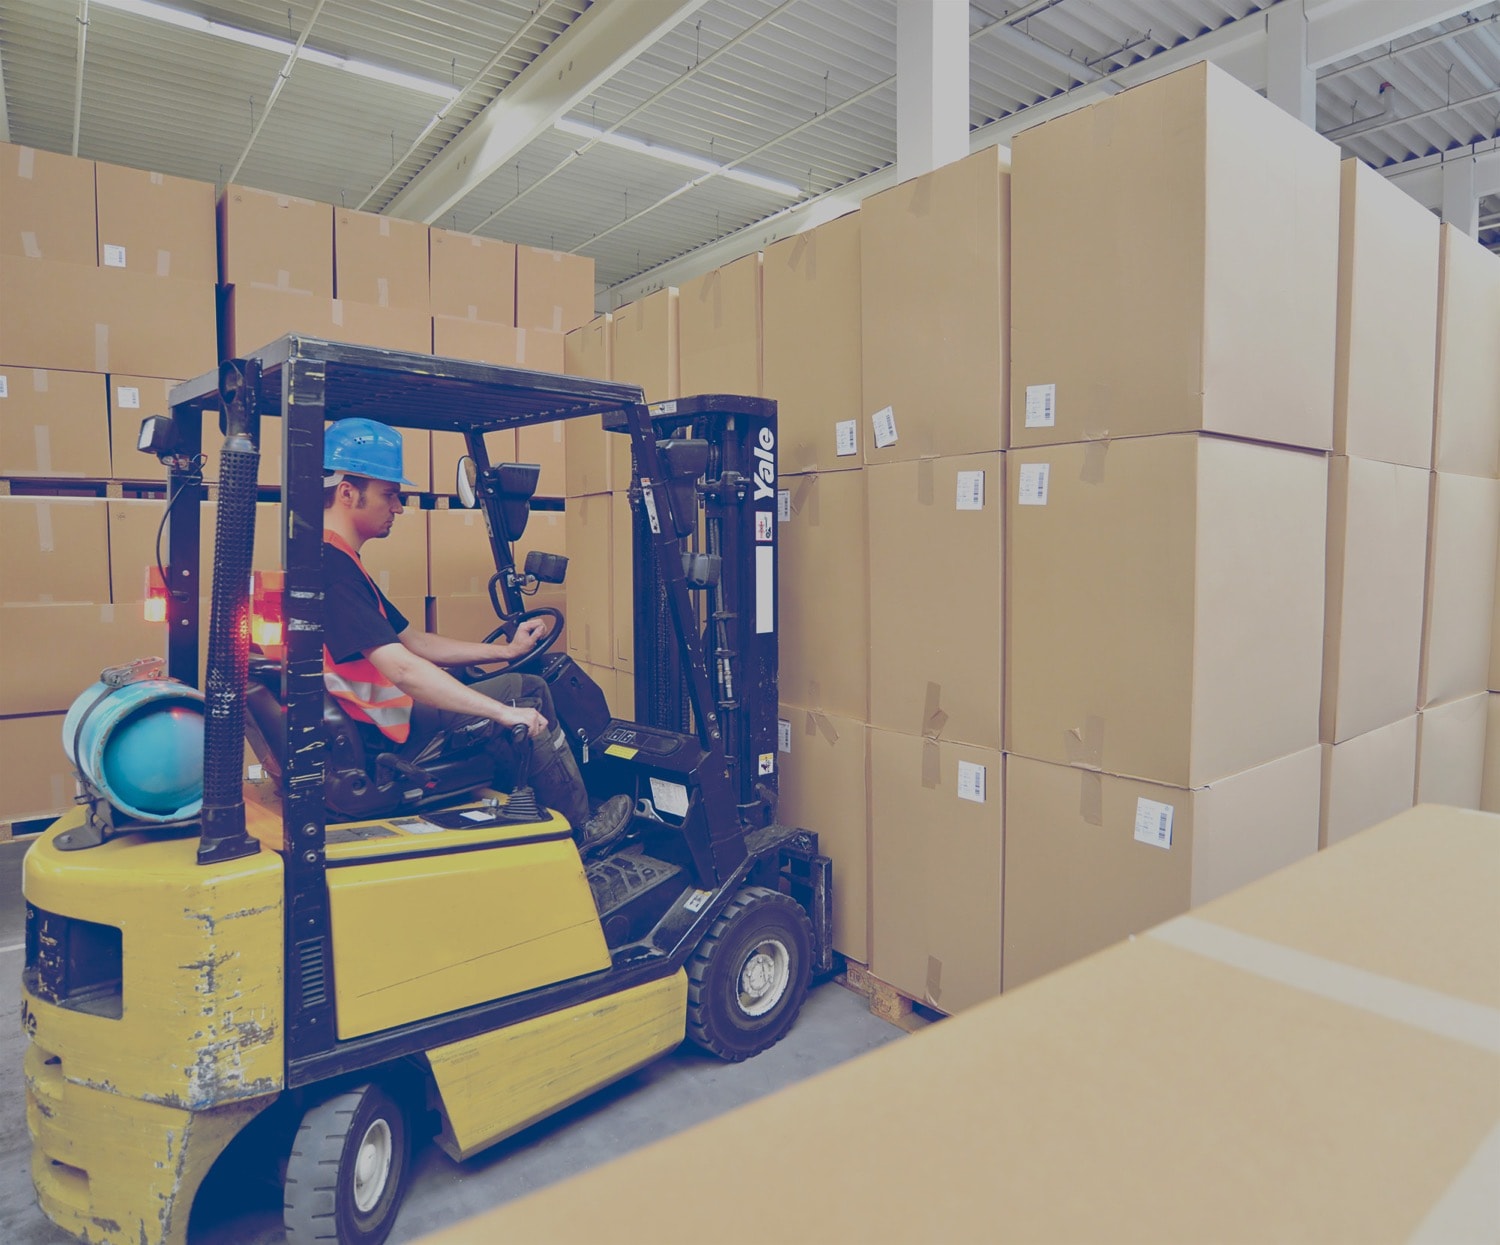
x: 622, y: 580
x: 276, y: 242
x: 720, y: 329
x: 155, y: 224
x: 937, y: 525
x: 823, y: 594
x: 46, y: 206
x: 81, y: 319
x: 39, y: 778
x: 449, y: 448
x: 811, y: 322
x: 460, y: 562
x: 1489, y: 798
x: 53, y: 549
x: 53, y: 424
x: 590, y: 594
x: 544, y: 445
x: 646, y: 345
x: 1450, y: 751
x: 464, y: 617
x: 255, y: 317
x: 132, y: 399
x: 1367, y: 779
x: 1466, y: 437
x: 1165, y: 605
x: 398, y: 562
x: 133, y: 526
x: 554, y: 290
x: 1377, y: 566
x: 937, y: 846
x: 824, y: 786
x: 472, y: 277
x: 597, y: 461
x: 1204, y: 297
x: 488, y: 342
x: 51, y: 653
x: 380, y: 260
x: 1387, y: 326
x: 935, y: 312
x: 1093, y: 858
x: 1458, y: 622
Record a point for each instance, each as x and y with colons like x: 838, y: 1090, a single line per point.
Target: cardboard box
x: 79, y: 319
x: 1045, y: 1116
x: 380, y: 260
x: 448, y: 448
x: 154, y: 224
x: 934, y: 312
x: 823, y: 597
x: 46, y: 206
x: 1387, y: 320
x: 596, y: 461
x: 622, y: 580
x: 1450, y: 751
x: 1495, y: 641
x: 824, y: 786
x: 544, y: 445
x: 1489, y: 796
x: 1458, y: 620
x: 1217, y: 256
x: 398, y: 563
x: 937, y: 843
x: 255, y: 317
x: 1466, y: 437
x: 39, y: 778
x: 1377, y: 566
x: 646, y: 342
x: 133, y: 399
x: 590, y: 595
x: 811, y: 322
x: 1165, y: 599
x: 53, y: 424
x: 53, y: 549
x: 936, y: 525
x: 471, y: 277
x: 535, y: 349
x: 720, y: 330
x: 1367, y: 779
x: 463, y: 617
x: 460, y: 561
x: 554, y: 290
x: 1093, y: 858
x: 275, y: 242
x: 133, y: 525
x: 547, y: 530
x: 51, y: 653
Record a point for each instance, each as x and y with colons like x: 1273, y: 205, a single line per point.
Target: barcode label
x: 1041, y: 406
x: 114, y: 257
x: 1153, y: 823
x: 128, y: 398
x: 4, y: 387
x: 884, y: 422
x: 784, y: 505
x: 783, y: 735
x: 846, y: 437
x: 970, y: 490
x: 1032, y: 490
x: 971, y: 782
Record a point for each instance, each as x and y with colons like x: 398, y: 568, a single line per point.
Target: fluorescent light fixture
x: 680, y: 158
x: 282, y: 47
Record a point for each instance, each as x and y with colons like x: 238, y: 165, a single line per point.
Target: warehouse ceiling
x: 648, y: 134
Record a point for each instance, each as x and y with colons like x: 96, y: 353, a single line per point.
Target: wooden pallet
x: 887, y: 1002
x: 28, y: 828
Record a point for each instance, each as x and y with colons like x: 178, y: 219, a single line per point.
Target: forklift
x: 202, y: 966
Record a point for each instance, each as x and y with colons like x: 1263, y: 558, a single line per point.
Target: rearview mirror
x: 468, y: 480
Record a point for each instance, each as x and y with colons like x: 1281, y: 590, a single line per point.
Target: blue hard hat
x: 363, y: 447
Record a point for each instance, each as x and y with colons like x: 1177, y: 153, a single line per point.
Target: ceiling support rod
x: 83, y: 44
x: 282, y: 78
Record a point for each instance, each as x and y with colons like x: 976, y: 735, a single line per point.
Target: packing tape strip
x: 101, y: 348
x: 163, y: 263
x: 43, y: 449
x: 384, y: 223
x: 29, y: 246
x: 521, y: 358
x: 920, y: 201
x: 336, y: 311
x: 805, y: 497
x: 1091, y: 797
x: 819, y: 724
x: 1086, y: 746
x: 932, y: 764
x: 557, y: 319
x: 1469, y: 1210
x: 933, y: 717
x: 800, y: 247
x: 44, y: 541
x: 25, y: 162
x: 382, y: 291
x: 40, y: 379
x: 934, y: 985
x: 926, y: 480
x: 1094, y: 451
x: 157, y: 179
x: 473, y: 311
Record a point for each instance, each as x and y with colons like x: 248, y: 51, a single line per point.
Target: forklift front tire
x: 347, y: 1172
x: 748, y: 977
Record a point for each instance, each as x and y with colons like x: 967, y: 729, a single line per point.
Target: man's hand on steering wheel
x: 529, y: 634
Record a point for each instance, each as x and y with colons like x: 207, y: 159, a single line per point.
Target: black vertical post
x: 184, y: 555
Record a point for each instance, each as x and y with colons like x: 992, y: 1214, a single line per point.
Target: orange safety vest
x: 365, y: 693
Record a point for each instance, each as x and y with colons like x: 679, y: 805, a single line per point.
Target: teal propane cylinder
x: 140, y: 745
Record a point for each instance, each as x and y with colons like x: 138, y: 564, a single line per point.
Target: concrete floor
x: 672, y: 1094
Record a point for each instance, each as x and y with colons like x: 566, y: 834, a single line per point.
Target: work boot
x: 606, y: 825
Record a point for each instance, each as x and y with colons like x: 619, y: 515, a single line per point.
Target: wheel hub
x: 373, y: 1166
x: 764, y: 977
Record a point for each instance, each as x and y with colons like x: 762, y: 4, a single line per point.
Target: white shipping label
x: 783, y: 735
x: 846, y: 437
x: 1041, y: 406
x: 884, y: 423
x: 784, y: 506
x: 114, y: 257
x: 649, y: 498
x: 669, y: 797
x: 970, y: 490
x: 4, y: 387
x: 128, y: 398
x: 1153, y: 823
x: 664, y: 408
x: 1033, y: 487
x: 971, y: 782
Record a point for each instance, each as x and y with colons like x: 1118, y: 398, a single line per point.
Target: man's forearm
x: 430, y: 685
x: 444, y: 651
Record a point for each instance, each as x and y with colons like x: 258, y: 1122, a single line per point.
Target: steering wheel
x: 507, y: 629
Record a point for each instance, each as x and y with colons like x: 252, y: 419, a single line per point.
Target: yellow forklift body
x: 427, y: 923
x: 496, y: 1084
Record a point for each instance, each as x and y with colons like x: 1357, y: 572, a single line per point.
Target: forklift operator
x: 390, y: 675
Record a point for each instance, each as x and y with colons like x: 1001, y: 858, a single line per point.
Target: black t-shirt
x: 352, y: 623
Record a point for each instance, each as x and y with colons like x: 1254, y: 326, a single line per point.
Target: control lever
x: 522, y: 805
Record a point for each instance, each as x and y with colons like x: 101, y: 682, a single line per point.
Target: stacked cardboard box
x: 1171, y: 406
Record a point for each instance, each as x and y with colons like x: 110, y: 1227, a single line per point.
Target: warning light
x: 267, y: 618
x: 155, y: 606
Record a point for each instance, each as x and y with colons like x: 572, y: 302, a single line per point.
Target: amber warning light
x: 267, y: 630
x: 155, y: 606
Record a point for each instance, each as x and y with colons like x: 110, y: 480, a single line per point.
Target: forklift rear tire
x: 347, y: 1171
x: 748, y: 977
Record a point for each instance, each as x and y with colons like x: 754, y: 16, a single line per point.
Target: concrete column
x: 1460, y: 195
x: 932, y: 85
x: 1290, y: 81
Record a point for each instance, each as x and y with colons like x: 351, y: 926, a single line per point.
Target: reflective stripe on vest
x: 365, y: 693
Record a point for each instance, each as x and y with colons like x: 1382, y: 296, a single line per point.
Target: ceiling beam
x: 587, y: 54
x: 1424, y: 183
x: 1336, y: 29
x: 4, y: 111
